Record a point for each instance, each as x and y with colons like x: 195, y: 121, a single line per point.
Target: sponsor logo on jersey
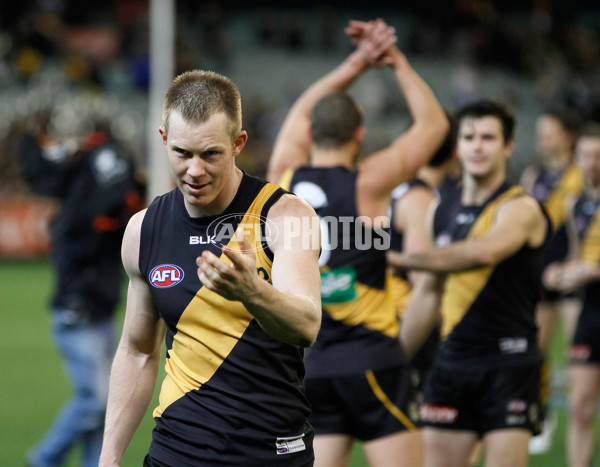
x: 290, y: 445
x: 199, y: 240
x: 165, y: 276
x: 438, y: 413
x: 513, y: 345
x: 463, y: 218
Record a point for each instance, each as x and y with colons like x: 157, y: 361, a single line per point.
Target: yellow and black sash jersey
x: 488, y: 312
x: 359, y: 328
x: 552, y: 188
x: 230, y: 389
x: 586, y: 218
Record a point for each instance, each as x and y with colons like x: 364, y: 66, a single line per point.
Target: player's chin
x: 198, y: 199
x: 479, y: 169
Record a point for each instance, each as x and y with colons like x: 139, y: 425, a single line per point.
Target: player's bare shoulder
x: 290, y: 205
x: 296, y: 221
x: 526, y: 211
x: 130, y: 247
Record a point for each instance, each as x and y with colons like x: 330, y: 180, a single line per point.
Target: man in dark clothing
x: 98, y: 192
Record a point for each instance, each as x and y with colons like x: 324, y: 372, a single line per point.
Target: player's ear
x: 360, y: 134
x: 509, y: 148
x: 240, y: 142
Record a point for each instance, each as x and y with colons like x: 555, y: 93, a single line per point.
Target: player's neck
x: 559, y: 161
x: 332, y: 158
x: 476, y: 190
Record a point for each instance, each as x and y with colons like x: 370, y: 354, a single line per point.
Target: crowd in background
x: 84, y: 61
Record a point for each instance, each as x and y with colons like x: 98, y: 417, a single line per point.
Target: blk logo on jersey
x: 165, y: 276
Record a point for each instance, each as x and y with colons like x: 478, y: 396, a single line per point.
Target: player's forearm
x: 421, y: 314
x: 337, y: 80
x: 422, y: 103
x: 428, y: 115
x: 291, y: 318
x: 460, y: 256
x: 132, y: 382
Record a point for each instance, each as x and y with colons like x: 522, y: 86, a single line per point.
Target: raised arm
x: 292, y: 145
x: 136, y: 362
x: 382, y: 171
x: 290, y: 308
x: 518, y: 222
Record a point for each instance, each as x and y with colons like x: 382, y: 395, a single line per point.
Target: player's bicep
x: 517, y: 224
x: 416, y: 236
x: 296, y: 248
x: 143, y: 330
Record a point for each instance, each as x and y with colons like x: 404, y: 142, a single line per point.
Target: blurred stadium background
x: 87, y: 60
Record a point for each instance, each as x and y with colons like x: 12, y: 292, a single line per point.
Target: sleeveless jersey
x: 586, y: 218
x: 359, y: 329
x: 227, y: 381
x: 551, y: 188
x: 488, y: 312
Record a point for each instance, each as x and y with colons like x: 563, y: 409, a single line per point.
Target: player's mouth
x: 197, y: 188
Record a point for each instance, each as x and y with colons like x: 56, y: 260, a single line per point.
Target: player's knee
x: 583, y: 409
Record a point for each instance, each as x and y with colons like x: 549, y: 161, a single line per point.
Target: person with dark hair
x: 215, y: 273
x: 552, y: 180
x: 98, y: 191
x: 580, y: 273
x: 483, y: 274
x: 356, y: 377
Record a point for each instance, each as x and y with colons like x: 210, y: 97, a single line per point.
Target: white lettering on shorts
x: 438, y: 413
x: 516, y: 419
x: 290, y: 445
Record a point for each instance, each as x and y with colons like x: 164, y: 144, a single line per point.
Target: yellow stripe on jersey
x: 571, y: 183
x: 211, y: 325
x: 286, y: 179
x: 373, y: 308
x: 590, y: 245
x: 206, y: 335
x: 462, y: 288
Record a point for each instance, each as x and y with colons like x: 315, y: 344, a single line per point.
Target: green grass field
x: 33, y: 384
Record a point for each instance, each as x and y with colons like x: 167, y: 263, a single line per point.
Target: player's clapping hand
x: 235, y: 281
x: 372, y: 39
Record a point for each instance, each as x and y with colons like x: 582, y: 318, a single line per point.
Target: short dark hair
x: 566, y: 116
x: 446, y: 150
x: 488, y: 108
x: 589, y: 129
x: 335, y: 119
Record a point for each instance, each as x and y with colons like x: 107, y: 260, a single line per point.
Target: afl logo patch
x: 165, y: 276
